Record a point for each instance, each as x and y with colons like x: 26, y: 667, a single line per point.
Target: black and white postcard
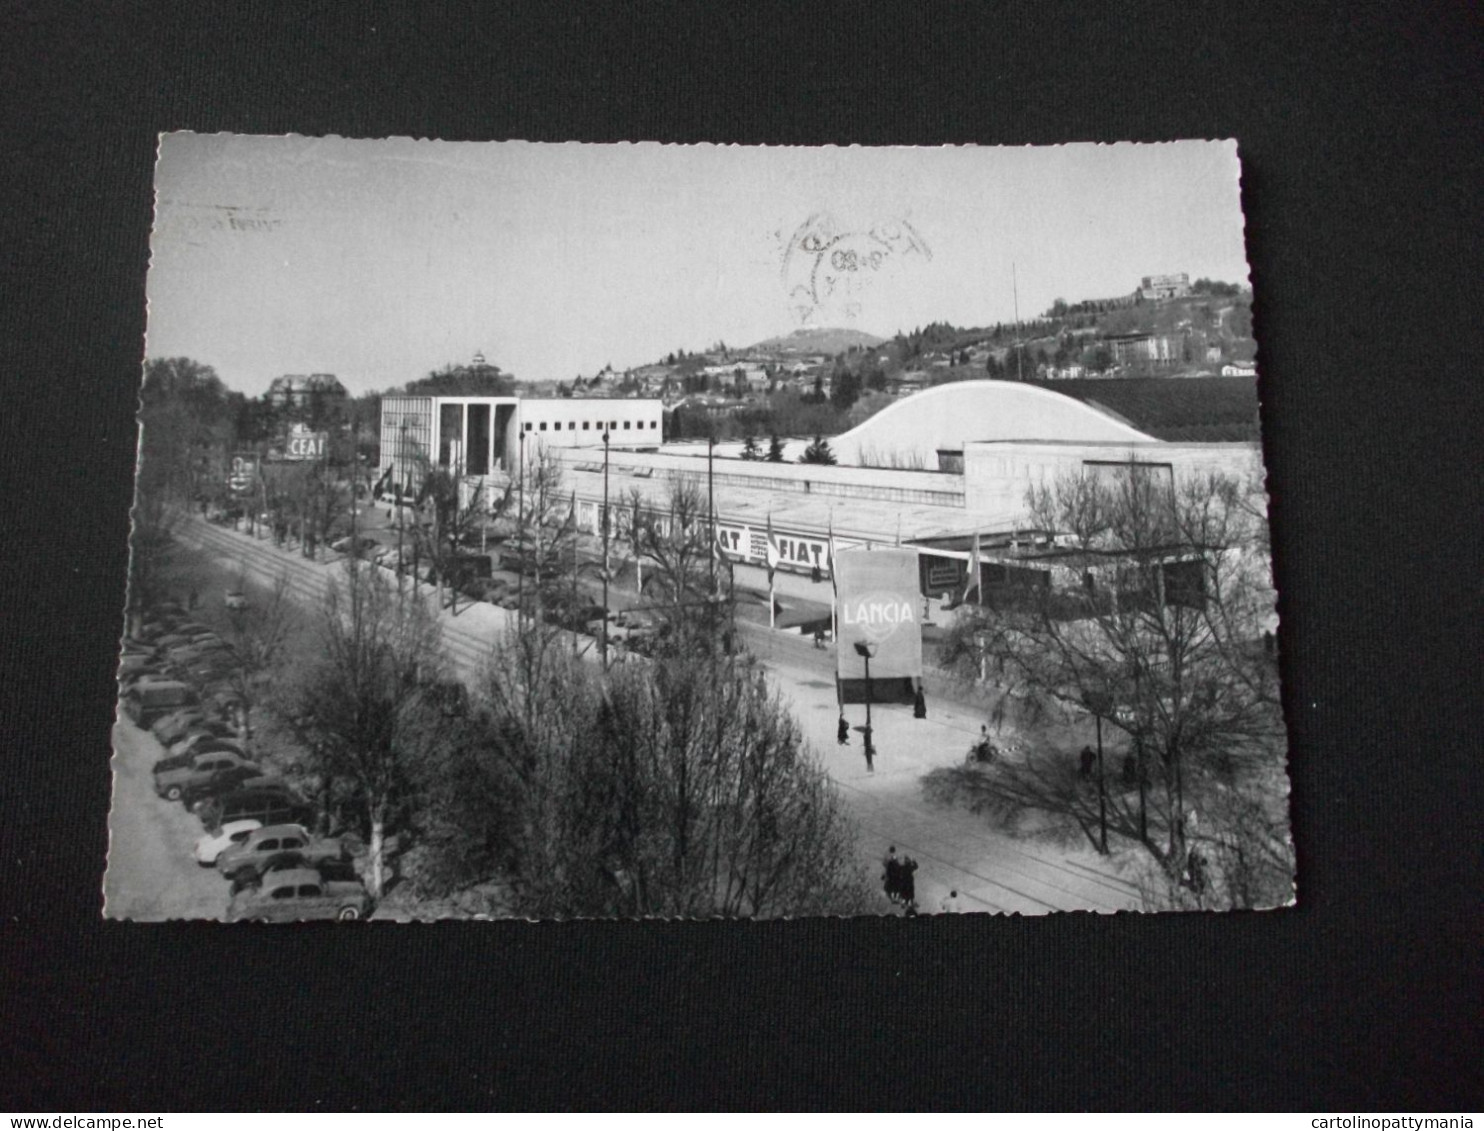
x: 558, y: 531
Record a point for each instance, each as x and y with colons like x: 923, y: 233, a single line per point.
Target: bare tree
x: 543, y: 550
x: 450, y: 515
x: 360, y: 701
x: 258, y: 635
x: 688, y: 581
x: 1152, y: 621
x: 673, y: 789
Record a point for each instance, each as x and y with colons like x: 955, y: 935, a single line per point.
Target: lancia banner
x: 880, y: 607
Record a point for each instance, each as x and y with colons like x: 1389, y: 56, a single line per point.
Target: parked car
x: 246, y: 776
x: 210, y: 846
x: 236, y: 600
x: 177, y: 723
x: 153, y: 673
x: 339, y: 870
x: 212, y: 730
x: 250, y: 856
x: 173, y: 783
x: 209, y: 745
x: 270, y: 806
x: 297, y: 895
x: 360, y: 546
x: 147, y: 703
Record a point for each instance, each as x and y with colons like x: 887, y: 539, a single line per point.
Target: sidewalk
x: 991, y: 870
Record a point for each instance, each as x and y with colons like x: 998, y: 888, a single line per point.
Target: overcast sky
x: 381, y: 260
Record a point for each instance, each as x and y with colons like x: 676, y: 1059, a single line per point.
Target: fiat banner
x: 879, y: 606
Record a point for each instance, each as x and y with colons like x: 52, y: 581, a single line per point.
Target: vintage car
x: 258, y: 847
x: 297, y: 894
x: 270, y: 805
x: 147, y: 703
x: 211, y: 845
x: 172, y: 784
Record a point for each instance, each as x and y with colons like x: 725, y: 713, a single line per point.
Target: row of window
x: 587, y: 424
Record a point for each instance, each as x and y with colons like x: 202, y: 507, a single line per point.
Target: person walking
x: 950, y: 906
x: 919, y: 704
x: 842, y: 732
x: 1130, y: 771
x: 1089, y: 759
x: 891, y: 875
x: 907, y: 884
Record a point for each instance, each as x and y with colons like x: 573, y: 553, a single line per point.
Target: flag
x: 635, y: 529
x: 971, y: 582
x: 835, y: 586
x: 772, y: 552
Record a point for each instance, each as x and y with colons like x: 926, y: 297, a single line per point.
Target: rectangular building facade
x: 476, y: 436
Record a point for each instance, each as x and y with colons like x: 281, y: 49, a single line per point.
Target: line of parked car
x: 256, y: 824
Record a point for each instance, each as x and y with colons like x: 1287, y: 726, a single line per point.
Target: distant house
x: 1152, y: 288
x: 1148, y: 351
x: 299, y: 391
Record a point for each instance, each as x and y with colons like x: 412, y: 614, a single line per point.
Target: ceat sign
x: 304, y: 444
x: 880, y: 607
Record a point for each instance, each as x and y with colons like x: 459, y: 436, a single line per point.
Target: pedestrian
x: 1089, y: 759
x: 919, y: 704
x: 1130, y: 771
x: 907, y: 884
x: 870, y: 751
x: 842, y: 732
x: 949, y: 906
x: 891, y: 874
x: 1195, y: 867
x: 819, y: 638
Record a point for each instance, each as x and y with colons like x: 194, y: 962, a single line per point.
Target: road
x: 991, y: 870
x: 152, y: 873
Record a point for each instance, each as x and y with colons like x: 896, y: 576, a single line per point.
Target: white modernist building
x: 479, y: 436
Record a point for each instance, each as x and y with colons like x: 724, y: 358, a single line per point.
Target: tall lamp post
x: 520, y: 518
x: 866, y: 651
x: 604, y: 652
x: 1100, y: 703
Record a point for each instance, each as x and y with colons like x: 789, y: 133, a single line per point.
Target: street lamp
x: 520, y: 577
x: 866, y: 651
x: 1100, y: 703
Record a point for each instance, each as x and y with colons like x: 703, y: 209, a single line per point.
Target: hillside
x: 811, y: 340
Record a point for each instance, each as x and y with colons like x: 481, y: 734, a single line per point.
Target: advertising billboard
x: 243, y: 475
x: 302, y: 444
x: 797, y: 553
x: 878, y: 605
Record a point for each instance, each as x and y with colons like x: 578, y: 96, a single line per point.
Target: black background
x: 1359, y: 128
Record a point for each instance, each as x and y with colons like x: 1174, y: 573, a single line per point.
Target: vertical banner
x: 879, y: 606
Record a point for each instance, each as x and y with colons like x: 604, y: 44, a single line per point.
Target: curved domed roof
x: 913, y: 430
x: 910, y: 432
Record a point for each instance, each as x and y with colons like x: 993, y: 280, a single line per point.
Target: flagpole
x: 772, y: 560
x: 834, y: 586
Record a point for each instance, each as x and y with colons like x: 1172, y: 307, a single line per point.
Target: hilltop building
x: 1153, y: 288
x: 299, y: 391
